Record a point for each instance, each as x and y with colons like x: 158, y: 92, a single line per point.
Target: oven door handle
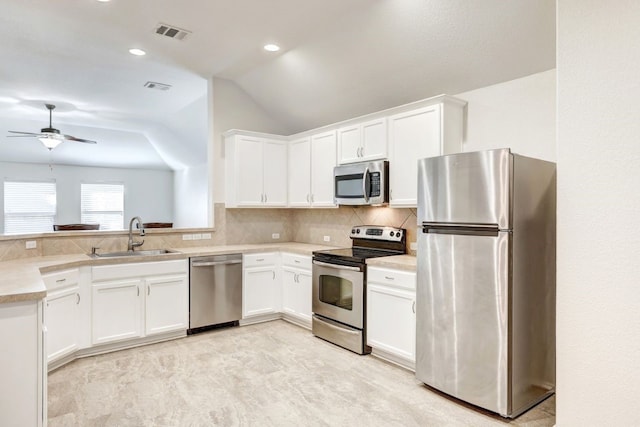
x: 336, y: 266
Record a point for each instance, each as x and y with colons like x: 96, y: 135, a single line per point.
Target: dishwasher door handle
x: 210, y: 263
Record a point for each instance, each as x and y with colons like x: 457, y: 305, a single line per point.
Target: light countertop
x: 397, y: 262
x: 21, y: 280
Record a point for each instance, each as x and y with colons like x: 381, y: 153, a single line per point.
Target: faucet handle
x: 93, y: 249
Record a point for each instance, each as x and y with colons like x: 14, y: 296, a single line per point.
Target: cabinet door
x: 349, y: 144
x: 300, y: 172
x: 249, y: 173
x: 374, y: 139
x: 275, y: 173
x: 304, y: 295
x: 323, y: 160
x: 116, y: 310
x: 259, y: 293
x: 413, y: 135
x: 391, y: 321
x: 166, y: 307
x: 289, y: 291
x: 62, y: 320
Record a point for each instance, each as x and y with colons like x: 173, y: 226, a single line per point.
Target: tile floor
x: 270, y: 374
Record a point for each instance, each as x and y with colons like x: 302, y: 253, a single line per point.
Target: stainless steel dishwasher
x: 215, y: 291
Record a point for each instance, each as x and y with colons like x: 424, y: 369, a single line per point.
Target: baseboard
x: 392, y: 358
x: 116, y: 346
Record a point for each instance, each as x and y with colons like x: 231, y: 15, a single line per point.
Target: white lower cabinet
x: 137, y: 300
x: 116, y: 310
x: 296, y: 288
x: 62, y: 313
x: 391, y: 318
x: 23, y: 382
x: 166, y: 304
x: 260, y: 284
x: 296, y: 294
x: 63, y: 316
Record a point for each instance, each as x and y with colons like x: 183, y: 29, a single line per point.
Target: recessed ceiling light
x: 272, y: 47
x: 137, y: 52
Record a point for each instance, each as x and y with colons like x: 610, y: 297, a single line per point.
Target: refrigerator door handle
x: 461, y: 228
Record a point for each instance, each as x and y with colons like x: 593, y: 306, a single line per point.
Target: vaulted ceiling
x: 339, y: 59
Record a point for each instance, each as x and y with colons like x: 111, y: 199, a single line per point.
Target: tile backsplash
x: 235, y: 226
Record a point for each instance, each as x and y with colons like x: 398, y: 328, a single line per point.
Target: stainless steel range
x: 339, y: 285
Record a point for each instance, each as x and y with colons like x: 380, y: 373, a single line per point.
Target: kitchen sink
x: 150, y: 252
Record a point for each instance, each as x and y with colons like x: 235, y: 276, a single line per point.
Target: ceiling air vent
x: 171, y: 31
x: 157, y: 86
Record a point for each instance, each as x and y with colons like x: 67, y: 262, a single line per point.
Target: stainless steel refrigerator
x: 485, y: 304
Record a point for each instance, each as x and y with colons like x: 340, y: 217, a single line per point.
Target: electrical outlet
x: 187, y: 237
x: 31, y: 244
x: 413, y: 246
x: 275, y: 236
x: 327, y: 238
x: 197, y: 236
x: 206, y: 236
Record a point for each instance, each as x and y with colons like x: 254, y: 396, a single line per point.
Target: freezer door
x: 466, y: 188
x: 462, y: 316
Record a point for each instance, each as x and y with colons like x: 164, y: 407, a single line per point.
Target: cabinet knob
x: 413, y: 307
x: 148, y: 290
x: 78, y: 300
x: 389, y: 278
x: 138, y: 288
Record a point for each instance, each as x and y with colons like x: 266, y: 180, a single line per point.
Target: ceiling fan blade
x: 74, y: 139
x: 22, y: 133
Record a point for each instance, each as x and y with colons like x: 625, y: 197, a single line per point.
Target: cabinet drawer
x: 298, y: 261
x: 395, y: 278
x: 60, y: 279
x: 259, y: 260
x: 121, y: 271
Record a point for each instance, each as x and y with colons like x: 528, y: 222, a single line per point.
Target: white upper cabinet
x: 256, y: 172
x: 300, y: 172
x: 311, y: 163
x: 323, y: 160
x: 363, y: 141
x: 429, y: 131
x: 259, y: 173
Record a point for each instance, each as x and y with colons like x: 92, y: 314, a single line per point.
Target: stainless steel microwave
x: 365, y: 183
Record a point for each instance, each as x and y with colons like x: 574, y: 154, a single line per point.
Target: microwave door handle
x: 364, y: 184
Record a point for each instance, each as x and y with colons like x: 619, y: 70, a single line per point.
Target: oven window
x: 349, y: 186
x: 336, y: 291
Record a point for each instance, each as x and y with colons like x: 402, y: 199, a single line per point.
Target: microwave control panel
x: 375, y: 184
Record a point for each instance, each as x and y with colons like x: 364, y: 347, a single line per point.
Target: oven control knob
x: 353, y: 231
x: 358, y: 231
x: 392, y: 234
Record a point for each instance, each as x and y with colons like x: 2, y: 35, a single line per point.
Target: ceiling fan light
x: 50, y: 141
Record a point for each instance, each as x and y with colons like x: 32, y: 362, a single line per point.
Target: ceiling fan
x: 50, y: 137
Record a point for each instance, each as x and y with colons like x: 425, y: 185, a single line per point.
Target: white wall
x: 191, y: 191
x: 598, y: 299
x: 148, y: 193
x: 233, y: 108
x: 518, y: 114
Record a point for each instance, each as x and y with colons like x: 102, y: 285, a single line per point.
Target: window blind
x: 102, y: 204
x: 29, y: 207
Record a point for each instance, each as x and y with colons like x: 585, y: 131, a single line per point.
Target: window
x: 29, y: 207
x: 102, y: 204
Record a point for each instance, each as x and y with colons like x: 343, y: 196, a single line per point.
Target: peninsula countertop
x: 21, y: 279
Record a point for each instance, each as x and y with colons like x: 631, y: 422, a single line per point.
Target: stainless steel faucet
x: 131, y: 244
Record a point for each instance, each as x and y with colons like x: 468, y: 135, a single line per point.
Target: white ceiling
x: 340, y: 59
